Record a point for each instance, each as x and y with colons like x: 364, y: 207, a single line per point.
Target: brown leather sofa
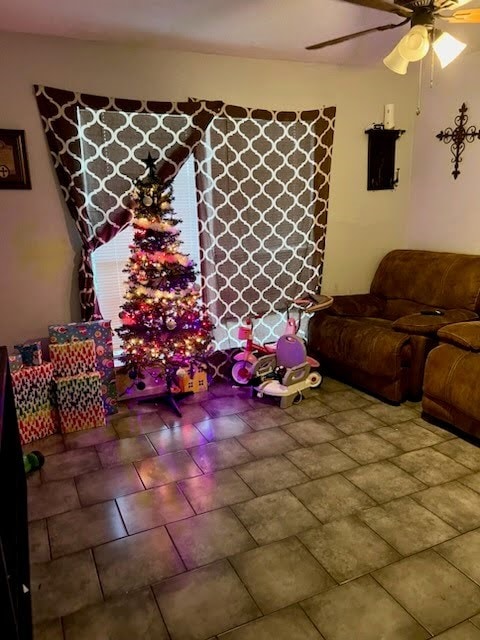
x: 379, y: 341
x: 451, y: 390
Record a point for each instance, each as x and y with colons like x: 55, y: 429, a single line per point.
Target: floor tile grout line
x: 306, y: 612
x: 228, y: 559
x: 150, y: 588
x: 467, y: 485
x: 97, y: 572
x: 452, y: 458
x: 402, y: 556
x: 433, y: 512
x: 177, y: 550
x: 275, y: 490
x: 177, y: 484
x: 49, y: 541
x: 434, y: 549
x: 310, y: 478
x: 138, y: 475
x: 244, y: 526
x: 399, y: 603
x: 407, y: 450
x: 404, y: 495
x: 398, y: 455
x: 303, y: 505
x: 122, y: 519
x: 316, y: 560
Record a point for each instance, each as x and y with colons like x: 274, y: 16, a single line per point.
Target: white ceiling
x: 278, y: 29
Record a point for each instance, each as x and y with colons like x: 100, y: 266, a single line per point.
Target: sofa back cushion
x: 428, y: 279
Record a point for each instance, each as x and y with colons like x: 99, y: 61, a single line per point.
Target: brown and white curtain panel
x: 96, y: 144
x: 262, y: 191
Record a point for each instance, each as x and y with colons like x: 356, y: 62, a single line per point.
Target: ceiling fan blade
x: 450, y: 5
x: 382, y: 5
x: 464, y: 16
x: 329, y: 43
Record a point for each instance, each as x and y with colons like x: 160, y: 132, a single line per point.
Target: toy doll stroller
x: 287, y: 373
x: 253, y: 362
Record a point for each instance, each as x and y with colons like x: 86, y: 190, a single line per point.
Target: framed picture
x: 14, y: 173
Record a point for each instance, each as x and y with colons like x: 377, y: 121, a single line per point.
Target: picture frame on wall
x: 14, y: 172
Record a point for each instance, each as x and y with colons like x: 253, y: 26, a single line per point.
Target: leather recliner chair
x: 379, y: 341
x: 451, y: 389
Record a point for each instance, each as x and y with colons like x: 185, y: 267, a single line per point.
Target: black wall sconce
x: 381, y: 157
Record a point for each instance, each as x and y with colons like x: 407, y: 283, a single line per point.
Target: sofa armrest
x: 361, y: 305
x: 424, y: 325
x: 462, y: 334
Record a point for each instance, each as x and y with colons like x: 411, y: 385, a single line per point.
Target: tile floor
x: 340, y: 518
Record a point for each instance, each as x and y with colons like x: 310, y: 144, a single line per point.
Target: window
x: 110, y: 259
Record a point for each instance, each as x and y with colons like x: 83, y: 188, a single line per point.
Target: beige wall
x: 38, y: 244
x: 445, y: 213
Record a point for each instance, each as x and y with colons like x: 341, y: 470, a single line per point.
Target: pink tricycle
x: 246, y: 361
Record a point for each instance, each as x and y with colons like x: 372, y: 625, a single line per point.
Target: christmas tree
x: 164, y: 323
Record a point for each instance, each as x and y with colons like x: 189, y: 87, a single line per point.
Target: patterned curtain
x: 262, y: 190
x: 92, y: 175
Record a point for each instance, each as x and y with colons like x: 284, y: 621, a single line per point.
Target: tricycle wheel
x: 242, y: 372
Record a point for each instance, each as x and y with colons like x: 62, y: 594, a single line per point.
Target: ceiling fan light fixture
x: 447, y: 48
x: 396, y: 62
x: 415, y: 44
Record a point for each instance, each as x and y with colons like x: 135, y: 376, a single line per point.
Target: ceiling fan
x: 422, y: 15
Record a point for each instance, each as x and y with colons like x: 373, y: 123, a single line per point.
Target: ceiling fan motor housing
x: 423, y: 17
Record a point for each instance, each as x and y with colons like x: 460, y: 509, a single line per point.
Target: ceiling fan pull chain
x: 419, y: 89
x: 432, y: 62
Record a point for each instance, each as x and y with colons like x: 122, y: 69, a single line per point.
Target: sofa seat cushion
x: 396, y: 308
x: 362, y: 345
x: 451, y: 376
x: 424, y: 325
x: 463, y: 334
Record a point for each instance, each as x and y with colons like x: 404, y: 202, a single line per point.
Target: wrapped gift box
x: 80, y: 404
x: 100, y: 332
x: 30, y: 352
x: 33, y: 390
x: 73, y: 358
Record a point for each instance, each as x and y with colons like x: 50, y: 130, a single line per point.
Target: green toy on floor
x: 33, y: 461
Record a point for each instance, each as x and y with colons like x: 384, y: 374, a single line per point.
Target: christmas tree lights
x: 164, y: 322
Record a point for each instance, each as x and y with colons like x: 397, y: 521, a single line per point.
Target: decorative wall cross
x: 457, y: 137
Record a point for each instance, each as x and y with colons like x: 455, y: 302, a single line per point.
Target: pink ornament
x: 127, y: 319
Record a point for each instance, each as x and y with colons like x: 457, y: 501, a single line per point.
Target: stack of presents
x: 76, y: 389
x: 72, y: 392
